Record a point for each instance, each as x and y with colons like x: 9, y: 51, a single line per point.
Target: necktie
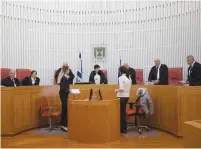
x: 189, y: 72
x: 14, y: 82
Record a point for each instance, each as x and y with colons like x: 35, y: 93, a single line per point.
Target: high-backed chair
x: 105, y: 72
x: 135, y: 109
x: 175, y: 75
x: 139, y: 76
x: 48, y: 111
x: 21, y: 73
x: 5, y: 72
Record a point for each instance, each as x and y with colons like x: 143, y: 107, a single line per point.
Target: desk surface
x: 21, y: 107
x: 192, y: 134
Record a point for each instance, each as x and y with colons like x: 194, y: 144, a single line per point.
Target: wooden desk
x: 94, y: 121
x: 192, y: 134
x: 173, y: 105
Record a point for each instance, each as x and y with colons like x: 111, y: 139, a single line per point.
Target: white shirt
x: 158, y: 73
x: 97, y: 79
x: 33, y: 81
x: 189, y: 72
x: 13, y: 81
x: 125, y: 86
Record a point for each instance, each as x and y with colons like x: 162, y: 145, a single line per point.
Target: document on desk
x: 75, y: 91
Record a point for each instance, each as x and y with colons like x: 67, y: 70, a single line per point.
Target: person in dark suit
x: 10, y: 81
x: 32, y: 80
x: 131, y: 72
x: 97, y: 76
x: 64, y: 70
x: 64, y: 77
x: 159, y: 74
x: 194, y: 72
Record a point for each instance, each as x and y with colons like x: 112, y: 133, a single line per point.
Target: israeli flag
x: 79, y: 71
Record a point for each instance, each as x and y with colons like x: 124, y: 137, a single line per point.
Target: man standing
x: 159, y: 73
x: 194, y: 72
x: 131, y: 72
x: 10, y: 81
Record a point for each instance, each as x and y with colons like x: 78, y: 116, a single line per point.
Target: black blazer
x: 28, y: 82
x: 71, y: 75
x: 64, y: 85
x: 132, y: 74
x: 9, y: 83
x: 194, y: 78
x: 103, y: 79
x: 163, y: 76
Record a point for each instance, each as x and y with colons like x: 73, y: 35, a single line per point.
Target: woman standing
x: 123, y: 93
x: 64, y: 78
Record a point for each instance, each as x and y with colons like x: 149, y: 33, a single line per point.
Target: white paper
x: 183, y: 82
x: 75, y: 91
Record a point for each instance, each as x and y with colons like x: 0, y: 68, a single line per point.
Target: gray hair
x: 190, y: 57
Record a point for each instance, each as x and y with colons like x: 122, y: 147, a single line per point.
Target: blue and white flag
x: 79, y: 71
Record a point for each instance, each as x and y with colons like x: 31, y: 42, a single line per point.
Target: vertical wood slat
x: 150, y: 33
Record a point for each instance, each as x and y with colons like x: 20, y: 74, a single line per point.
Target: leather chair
x: 21, y: 73
x: 139, y: 76
x: 134, y: 109
x: 5, y: 72
x: 49, y: 111
x: 105, y: 72
x: 175, y: 75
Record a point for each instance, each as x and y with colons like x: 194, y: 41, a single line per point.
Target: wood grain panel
x: 171, y: 105
x: 22, y: 110
x: 6, y: 113
x: 192, y: 134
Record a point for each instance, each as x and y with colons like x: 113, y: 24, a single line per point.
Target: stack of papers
x: 75, y: 91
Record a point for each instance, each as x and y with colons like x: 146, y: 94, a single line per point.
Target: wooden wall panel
x: 21, y: 108
x: 6, y: 113
x: 173, y: 105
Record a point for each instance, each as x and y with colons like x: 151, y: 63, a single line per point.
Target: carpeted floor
x: 131, y: 132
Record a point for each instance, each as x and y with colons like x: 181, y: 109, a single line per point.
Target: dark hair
x: 33, y: 72
x: 124, y: 70
x: 96, y: 66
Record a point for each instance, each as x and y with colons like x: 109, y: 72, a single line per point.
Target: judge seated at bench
x: 131, y: 72
x: 97, y: 76
x: 158, y: 74
x: 32, y: 80
x: 10, y: 81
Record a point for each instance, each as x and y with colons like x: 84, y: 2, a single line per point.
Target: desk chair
x: 135, y: 109
x: 48, y: 111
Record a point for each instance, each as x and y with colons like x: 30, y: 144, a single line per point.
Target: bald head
x: 126, y: 65
x: 12, y: 74
x: 157, y: 62
x: 190, y: 59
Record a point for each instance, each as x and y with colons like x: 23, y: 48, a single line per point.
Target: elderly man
x: 194, y: 72
x: 64, y: 77
x: 159, y: 73
x: 131, y: 73
x: 10, y: 81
